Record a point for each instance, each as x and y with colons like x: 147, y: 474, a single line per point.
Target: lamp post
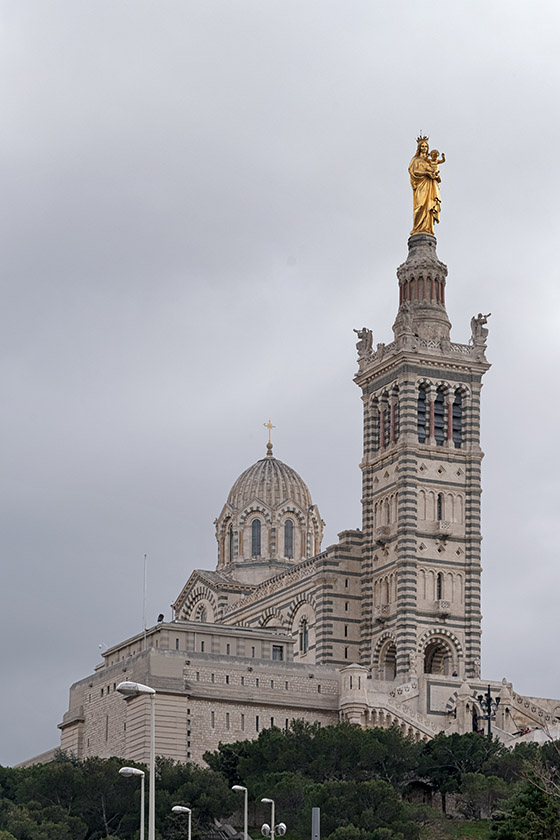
x: 245, y: 808
x: 272, y: 830
x: 133, y: 771
x: 489, y: 705
x: 181, y: 809
x: 132, y: 689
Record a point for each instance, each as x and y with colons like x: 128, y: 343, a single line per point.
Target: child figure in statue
x: 434, y: 154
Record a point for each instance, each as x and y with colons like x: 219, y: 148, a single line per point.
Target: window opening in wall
x: 256, y: 538
x: 202, y: 647
x: 227, y: 650
x: 253, y: 652
x: 102, y: 692
x: 439, y: 587
x: 227, y: 679
x: 257, y: 723
x: 176, y: 644
x: 345, y: 629
x: 230, y: 544
x: 242, y: 722
x: 271, y: 722
x: 397, y: 415
x: 346, y: 657
x: 211, y: 677
x: 458, y: 420
x: 439, y: 507
x: 318, y: 689
x: 227, y: 720
x: 303, y: 636
x: 106, y: 727
x: 386, y: 426
x: 346, y: 582
x: 286, y: 686
x: 278, y: 653
x: 272, y: 683
x: 287, y: 724
x: 242, y: 680
x: 257, y: 682
x: 422, y: 415
x: 212, y: 719
x: 289, y: 538
x: 346, y: 606
x: 198, y: 676
x: 439, y: 418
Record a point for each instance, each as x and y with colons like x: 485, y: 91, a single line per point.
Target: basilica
x: 381, y: 629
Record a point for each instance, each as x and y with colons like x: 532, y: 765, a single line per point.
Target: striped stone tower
x: 421, y: 483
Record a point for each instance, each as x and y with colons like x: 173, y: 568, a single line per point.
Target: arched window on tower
x: 256, y: 538
x: 303, y: 636
x: 439, y: 418
x: 439, y: 587
x: 458, y: 420
x: 289, y: 538
x: 396, y: 414
x: 230, y: 543
x: 439, y: 507
x: 386, y: 425
x: 421, y: 414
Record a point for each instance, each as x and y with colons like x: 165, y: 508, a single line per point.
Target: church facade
x: 382, y: 628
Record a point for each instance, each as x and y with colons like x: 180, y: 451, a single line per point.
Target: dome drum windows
x: 289, y: 539
x: 256, y: 538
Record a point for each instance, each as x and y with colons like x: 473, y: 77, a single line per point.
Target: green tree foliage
x: 446, y: 758
x: 330, y: 753
x: 359, y: 779
x: 530, y: 814
x: 371, y: 807
x: 480, y: 794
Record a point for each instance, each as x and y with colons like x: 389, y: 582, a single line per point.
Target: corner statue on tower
x: 425, y: 180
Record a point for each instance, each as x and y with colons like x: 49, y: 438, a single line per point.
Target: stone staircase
x: 529, y: 709
x: 412, y: 724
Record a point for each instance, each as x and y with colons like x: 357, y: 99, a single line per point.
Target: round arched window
x: 256, y: 538
x: 289, y: 538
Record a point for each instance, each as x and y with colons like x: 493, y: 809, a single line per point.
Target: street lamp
x: 133, y: 771
x: 132, y: 689
x: 489, y: 705
x: 181, y: 809
x: 272, y: 830
x: 246, y: 796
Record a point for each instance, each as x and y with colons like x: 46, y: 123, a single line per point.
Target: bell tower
x: 421, y: 477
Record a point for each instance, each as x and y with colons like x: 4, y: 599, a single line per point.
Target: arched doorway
x: 438, y: 658
x: 387, y: 667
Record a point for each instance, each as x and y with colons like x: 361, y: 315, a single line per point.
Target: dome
x: 272, y: 482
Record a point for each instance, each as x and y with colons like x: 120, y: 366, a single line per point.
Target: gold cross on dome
x: 270, y: 427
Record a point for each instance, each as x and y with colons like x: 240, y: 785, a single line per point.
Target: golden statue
x: 425, y: 180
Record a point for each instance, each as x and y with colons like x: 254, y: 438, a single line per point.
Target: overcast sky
x: 199, y: 200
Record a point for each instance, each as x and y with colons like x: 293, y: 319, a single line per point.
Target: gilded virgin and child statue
x: 425, y: 180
